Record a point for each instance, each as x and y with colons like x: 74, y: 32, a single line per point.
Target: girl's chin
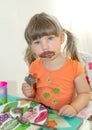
x: 49, y: 59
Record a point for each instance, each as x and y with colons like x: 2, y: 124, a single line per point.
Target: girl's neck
x: 56, y: 63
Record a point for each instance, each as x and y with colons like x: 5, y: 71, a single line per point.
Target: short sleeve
x: 31, y: 68
x: 34, y: 68
x: 78, y: 69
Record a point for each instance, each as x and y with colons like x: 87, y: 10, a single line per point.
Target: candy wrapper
x: 30, y: 80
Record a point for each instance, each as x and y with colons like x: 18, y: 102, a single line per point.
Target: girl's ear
x: 62, y: 38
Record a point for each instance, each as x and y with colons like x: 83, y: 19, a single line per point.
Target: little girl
x: 58, y: 75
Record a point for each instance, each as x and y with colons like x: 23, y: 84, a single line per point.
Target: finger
x: 25, y: 86
x: 27, y: 93
x: 69, y: 112
x: 66, y: 112
x: 61, y: 111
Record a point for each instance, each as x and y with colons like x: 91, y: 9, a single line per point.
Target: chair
x: 86, y: 60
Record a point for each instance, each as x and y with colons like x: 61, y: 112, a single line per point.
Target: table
x: 87, y: 125
x: 53, y: 116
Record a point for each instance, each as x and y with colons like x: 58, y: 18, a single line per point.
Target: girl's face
x: 48, y: 46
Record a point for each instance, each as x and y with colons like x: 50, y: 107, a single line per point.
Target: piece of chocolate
x: 90, y: 118
x: 16, y: 112
x: 30, y: 79
x: 23, y: 120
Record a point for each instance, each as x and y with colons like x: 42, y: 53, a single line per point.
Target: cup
x: 3, y: 92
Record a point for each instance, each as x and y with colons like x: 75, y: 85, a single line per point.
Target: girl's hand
x: 68, y: 110
x: 28, y: 90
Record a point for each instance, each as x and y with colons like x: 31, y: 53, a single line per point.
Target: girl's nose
x: 44, y: 45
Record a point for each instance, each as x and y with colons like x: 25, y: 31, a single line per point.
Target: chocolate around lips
x: 30, y: 79
x: 47, y: 54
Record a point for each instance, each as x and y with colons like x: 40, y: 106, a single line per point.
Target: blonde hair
x: 41, y: 25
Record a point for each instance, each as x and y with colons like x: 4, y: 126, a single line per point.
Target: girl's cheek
x: 37, y: 51
x: 54, y: 45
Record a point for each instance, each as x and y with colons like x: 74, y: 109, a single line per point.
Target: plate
x: 29, y: 115
x: 22, y: 112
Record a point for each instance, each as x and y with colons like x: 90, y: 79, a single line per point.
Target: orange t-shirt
x: 55, y: 88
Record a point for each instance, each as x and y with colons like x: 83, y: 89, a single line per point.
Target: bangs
x: 44, y: 29
x: 42, y: 25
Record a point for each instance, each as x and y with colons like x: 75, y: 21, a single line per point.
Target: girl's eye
x: 36, y: 42
x: 50, y: 38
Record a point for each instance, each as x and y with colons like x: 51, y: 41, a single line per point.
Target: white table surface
x: 87, y: 125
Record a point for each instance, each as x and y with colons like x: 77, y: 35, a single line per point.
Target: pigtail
x: 70, y: 47
x: 29, y: 56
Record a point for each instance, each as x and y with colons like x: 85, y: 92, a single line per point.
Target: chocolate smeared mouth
x: 47, y: 54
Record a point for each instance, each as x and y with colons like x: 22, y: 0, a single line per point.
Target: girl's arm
x: 80, y: 100
x: 83, y: 93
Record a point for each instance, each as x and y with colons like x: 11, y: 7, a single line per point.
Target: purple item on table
x: 3, y: 92
x: 4, y: 117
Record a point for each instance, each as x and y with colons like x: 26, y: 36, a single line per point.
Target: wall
x: 14, y: 16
